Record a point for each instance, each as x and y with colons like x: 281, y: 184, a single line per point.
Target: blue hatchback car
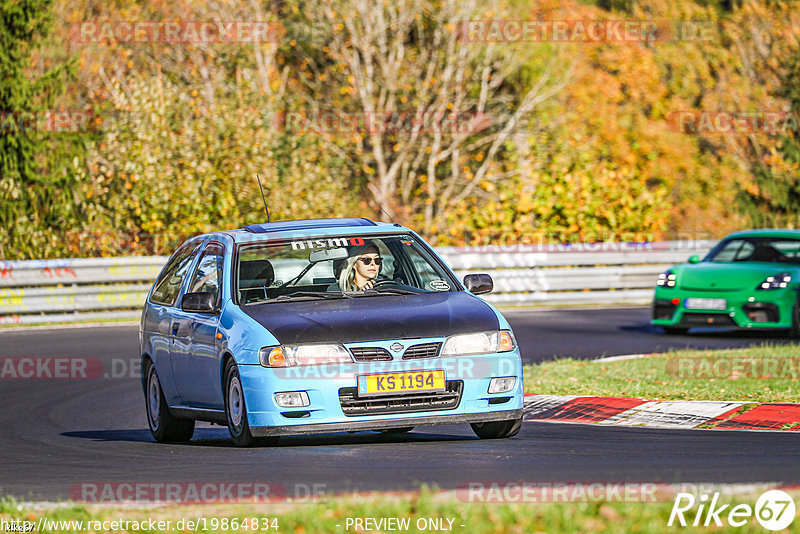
x: 328, y: 325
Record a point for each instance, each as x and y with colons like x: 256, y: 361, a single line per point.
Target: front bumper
x: 384, y: 424
x: 744, y: 309
x: 329, y: 386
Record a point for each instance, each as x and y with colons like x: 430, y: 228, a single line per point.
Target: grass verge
x: 769, y: 373
x: 331, y: 516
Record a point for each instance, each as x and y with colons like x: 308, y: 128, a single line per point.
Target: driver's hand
x: 368, y: 285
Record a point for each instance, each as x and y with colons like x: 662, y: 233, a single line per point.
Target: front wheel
x: 235, y: 410
x: 497, y: 429
x: 164, y: 426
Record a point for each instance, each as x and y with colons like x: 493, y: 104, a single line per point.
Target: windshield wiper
x: 312, y: 294
x: 384, y: 291
x: 397, y: 291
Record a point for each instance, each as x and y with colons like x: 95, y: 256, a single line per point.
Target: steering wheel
x: 381, y: 283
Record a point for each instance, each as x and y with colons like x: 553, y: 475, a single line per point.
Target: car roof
x: 300, y: 229
x: 766, y: 232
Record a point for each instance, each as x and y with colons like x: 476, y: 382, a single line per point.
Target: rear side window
x: 208, y: 273
x: 168, y: 285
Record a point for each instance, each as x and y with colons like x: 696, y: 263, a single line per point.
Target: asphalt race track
x: 595, y: 333
x: 57, y: 434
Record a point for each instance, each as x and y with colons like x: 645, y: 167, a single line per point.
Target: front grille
x: 352, y: 405
x: 707, y: 319
x: 424, y: 350
x: 371, y: 354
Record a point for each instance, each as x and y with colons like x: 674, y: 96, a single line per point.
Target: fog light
x: 502, y: 385
x: 292, y: 399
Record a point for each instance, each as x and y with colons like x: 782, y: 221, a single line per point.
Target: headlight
x: 779, y: 281
x: 667, y: 279
x: 293, y: 355
x: 481, y: 343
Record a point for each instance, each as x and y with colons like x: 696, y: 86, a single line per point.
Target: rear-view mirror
x: 327, y: 254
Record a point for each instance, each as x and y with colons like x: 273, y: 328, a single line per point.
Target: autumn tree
x: 766, y: 79
x: 441, y: 110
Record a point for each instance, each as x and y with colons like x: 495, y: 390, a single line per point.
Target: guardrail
x: 66, y: 290
x: 593, y: 273
x: 46, y: 291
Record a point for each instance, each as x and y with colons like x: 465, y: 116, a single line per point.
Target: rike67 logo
x: 774, y: 510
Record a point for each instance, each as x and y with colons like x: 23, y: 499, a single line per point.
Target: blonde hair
x: 348, y: 275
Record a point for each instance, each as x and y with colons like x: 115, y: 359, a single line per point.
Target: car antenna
x: 263, y: 197
x: 376, y: 203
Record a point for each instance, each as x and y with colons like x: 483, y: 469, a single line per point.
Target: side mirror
x: 478, y: 284
x: 198, y: 303
x: 695, y: 259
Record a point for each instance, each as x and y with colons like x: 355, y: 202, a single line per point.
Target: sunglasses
x: 368, y: 261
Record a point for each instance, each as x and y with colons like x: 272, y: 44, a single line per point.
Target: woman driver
x: 361, y: 269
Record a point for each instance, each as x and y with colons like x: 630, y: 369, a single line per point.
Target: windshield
x: 757, y: 249
x: 337, y: 267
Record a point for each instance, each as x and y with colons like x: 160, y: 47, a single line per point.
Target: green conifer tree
x: 37, y: 194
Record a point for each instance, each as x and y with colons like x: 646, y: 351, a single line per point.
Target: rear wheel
x: 235, y: 410
x: 164, y: 426
x: 675, y: 330
x: 497, y: 429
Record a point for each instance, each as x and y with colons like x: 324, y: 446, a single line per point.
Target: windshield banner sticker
x: 326, y: 243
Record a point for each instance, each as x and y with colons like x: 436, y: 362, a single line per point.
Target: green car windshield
x: 315, y: 268
x: 757, y: 249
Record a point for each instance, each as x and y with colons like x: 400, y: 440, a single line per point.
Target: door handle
x: 175, y: 327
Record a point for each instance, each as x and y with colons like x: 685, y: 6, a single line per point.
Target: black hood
x: 374, y: 318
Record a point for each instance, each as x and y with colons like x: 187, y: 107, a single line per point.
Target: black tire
x: 675, y: 330
x: 235, y: 409
x: 497, y: 429
x: 164, y: 427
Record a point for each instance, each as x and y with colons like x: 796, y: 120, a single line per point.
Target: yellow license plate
x: 414, y: 381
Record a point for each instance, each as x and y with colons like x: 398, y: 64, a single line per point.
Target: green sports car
x: 749, y: 280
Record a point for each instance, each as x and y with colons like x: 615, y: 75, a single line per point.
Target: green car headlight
x: 667, y: 279
x: 779, y: 281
